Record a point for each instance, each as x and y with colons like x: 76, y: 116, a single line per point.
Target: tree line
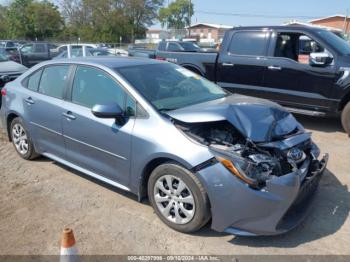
x: 89, y: 20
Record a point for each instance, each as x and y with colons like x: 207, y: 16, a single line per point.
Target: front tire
x: 178, y: 198
x: 345, y: 118
x: 21, y: 140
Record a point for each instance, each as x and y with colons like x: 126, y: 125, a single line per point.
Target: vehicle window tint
x: 40, y: 48
x: 33, y: 81
x: 54, y: 80
x: 27, y: 49
x: 10, y: 44
x: 62, y: 49
x: 172, y: 47
x: 248, y: 43
x: 162, y: 46
x: 92, y: 86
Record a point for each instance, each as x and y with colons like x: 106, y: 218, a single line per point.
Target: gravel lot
x: 39, y: 198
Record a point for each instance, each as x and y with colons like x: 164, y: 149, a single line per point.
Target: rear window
x: 33, y: 81
x: 53, y: 80
x: 248, y: 43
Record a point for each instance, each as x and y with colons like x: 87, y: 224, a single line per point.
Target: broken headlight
x: 254, y: 170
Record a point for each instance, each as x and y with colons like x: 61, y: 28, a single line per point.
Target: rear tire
x: 345, y: 118
x: 184, y: 205
x: 21, y: 139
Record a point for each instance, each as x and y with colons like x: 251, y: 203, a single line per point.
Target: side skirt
x: 85, y: 171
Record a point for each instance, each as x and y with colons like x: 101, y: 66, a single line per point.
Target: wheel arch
x: 344, y: 100
x: 9, y: 119
x: 148, y: 169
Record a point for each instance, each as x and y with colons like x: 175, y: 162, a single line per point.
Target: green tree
x: 3, y: 23
x: 108, y: 20
x: 177, y: 15
x: 141, y: 14
x: 45, y: 20
x: 31, y: 19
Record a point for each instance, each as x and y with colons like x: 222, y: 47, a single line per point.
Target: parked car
x: 9, y: 70
x: 78, y: 52
x: 166, y: 47
x: 11, y: 54
x: 158, y: 130
x: 7, y: 44
x: 63, y: 48
x: 36, y: 52
x: 305, y: 69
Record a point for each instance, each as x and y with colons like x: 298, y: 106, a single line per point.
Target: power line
x: 256, y: 15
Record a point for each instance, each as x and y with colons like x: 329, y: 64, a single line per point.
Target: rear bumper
x: 283, y: 204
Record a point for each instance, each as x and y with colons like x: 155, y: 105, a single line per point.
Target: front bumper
x: 240, y: 210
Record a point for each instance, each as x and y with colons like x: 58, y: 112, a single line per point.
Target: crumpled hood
x: 11, y: 67
x: 257, y: 119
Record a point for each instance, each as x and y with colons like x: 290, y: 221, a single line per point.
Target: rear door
x: 101, y: 146
x: 290, y: 79
x: 242, y: 61
x: 44, y: 103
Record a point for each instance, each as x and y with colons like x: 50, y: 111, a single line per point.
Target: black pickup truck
x: 306, y: 69
x: 36, y: 52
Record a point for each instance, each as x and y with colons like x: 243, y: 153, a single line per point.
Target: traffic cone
x: 68, y: 250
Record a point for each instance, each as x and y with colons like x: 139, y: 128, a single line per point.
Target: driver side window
x: 93, y: 86
x: 296, y: 46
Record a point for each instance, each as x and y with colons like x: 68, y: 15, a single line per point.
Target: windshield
x: 190, y: 47
x: 169, y: 87
x: 336, y: 42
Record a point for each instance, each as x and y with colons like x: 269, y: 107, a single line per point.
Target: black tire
x: 345, y: 118
x: 202, y: 209
x: 30, y: 153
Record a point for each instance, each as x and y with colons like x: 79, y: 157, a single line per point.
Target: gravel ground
x: 40, y: 198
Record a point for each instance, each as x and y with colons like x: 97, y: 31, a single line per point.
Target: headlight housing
x: 244, y: 169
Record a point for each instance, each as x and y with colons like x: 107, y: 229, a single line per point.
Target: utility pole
x: 189, y: 17
x: 346, y: 24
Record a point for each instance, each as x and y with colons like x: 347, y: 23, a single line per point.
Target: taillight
x: 160, y: 58
x: 3, y: 92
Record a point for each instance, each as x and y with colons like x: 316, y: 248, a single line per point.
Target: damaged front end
x: 261, y: 181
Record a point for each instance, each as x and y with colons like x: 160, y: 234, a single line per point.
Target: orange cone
x: 68, y: 249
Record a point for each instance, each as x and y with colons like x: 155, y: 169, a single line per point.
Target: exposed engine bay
x: 258, y: 161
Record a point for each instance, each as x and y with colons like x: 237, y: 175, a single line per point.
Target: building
x: 208, y: 32
x: 340, y: 22
x: 156, y: 35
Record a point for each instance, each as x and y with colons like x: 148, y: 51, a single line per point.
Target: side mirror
x: 111, y: 110
x: 320, y: 59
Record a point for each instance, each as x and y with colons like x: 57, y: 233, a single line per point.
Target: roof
x: 218, y: 26
x: 280, y: 27
x: 108, y: 61
x: 327, y: 17
x: 296, y: 23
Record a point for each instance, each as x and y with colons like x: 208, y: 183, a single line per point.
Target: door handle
x: 275, y: 68
x: 29, y: 101
x: 69, y: 115
x: 227, y: 64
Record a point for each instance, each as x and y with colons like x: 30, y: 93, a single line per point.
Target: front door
x: 290, y: 79
x: 101, y: 146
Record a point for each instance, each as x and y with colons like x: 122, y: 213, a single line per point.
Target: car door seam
x: 94, y: 147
